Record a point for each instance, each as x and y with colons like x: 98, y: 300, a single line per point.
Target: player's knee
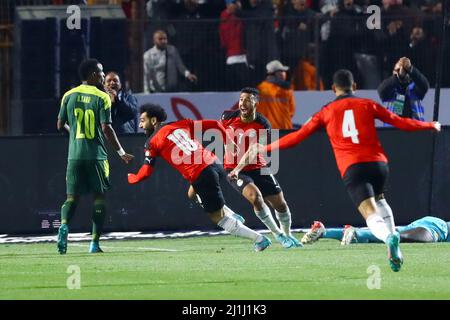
x: 72, y: 199
x: 256, y: 200
x: 71, y: 203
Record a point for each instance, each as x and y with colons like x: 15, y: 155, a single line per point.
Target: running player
x: 427, y: 229
x: 175, y: 142
x: 249, y: 126
x: 350, y: 125
x: 86, y: 113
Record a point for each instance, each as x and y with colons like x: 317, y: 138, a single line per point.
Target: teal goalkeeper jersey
x: 85, y: 108
x: 437, y: 227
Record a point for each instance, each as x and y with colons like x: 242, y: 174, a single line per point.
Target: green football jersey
x: 85, y: 108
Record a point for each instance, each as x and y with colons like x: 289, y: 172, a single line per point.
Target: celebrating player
x: 175, y: 142
x: 86, y: 113
x: 350, y: 125
x: 249, y: 125
x: 426, y: 230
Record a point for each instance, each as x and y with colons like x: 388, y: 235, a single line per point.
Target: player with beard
x: 175, y: 142
x: 350, y: 125
x: 248, y: 126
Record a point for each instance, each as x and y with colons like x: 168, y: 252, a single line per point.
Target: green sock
x: 98, y: 219
x: 67, y: 210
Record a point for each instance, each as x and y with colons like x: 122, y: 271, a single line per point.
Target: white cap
x: 274, y: 66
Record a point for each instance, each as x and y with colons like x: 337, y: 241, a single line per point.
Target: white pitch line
x: 128, y: 248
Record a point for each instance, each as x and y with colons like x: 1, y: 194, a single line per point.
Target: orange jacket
x: 276, y: 104
x: 304, y: 77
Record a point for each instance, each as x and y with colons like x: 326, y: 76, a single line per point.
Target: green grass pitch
x: 222, y: 267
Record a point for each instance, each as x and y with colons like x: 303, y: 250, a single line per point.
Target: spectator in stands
x: 327, y: 6
x: 346, y: 29
x: 297, y: 32
x: 446, y: 66
x: 432, y: 24
x: 434, y: 30
x: 424, y: 5
x: 277, y: 102
x: 403, y: 92
x: 124, y: 108
x: 304, y: 76
x: 397, y: 23
x: 157, y: 9
x: 197, y: 41
x: 260, y: 38
x: 231, y: 32
x: 421, y: 51
x: 163, y: 65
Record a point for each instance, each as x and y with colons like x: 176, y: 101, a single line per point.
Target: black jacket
x: 391, y: 85
x: 124, y: 112
x: 414, y: 92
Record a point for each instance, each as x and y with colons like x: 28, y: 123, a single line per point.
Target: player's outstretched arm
x: 144, y: 172
x: 437, y: 126
x: 294, y: 138
x: 111, y: 136
x: 405, y: 124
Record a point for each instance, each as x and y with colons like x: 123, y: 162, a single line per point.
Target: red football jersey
x: 244, y: 134
x: 175, y: 142
x: 350, y: 125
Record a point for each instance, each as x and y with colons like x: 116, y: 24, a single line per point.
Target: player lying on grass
x: 175, y: 142
x: 248, y: 126
x: 427, y: 229
x: 350, y: 125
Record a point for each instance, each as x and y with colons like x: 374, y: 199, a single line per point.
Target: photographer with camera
x: 403, y: 92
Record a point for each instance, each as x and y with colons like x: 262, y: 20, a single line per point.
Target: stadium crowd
x: 237, y: 38
x: 303, y: 34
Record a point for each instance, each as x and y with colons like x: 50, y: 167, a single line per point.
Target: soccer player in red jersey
x: 362, y: 162
x: 175, y: 142
x: 248, y: 126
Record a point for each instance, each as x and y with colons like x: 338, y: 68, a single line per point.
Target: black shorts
x: 365, y: 180
x: 267, y: 184
x: 207, y: 186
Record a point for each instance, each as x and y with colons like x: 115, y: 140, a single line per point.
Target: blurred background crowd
x: 221, y: 45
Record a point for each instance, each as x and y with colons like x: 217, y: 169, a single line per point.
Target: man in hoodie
x: 403, y: 92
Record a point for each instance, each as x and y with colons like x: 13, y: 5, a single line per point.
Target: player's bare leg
x: 191, y: 193
x: 369, y: 210
x: 252, y: 193
x: 237, y: 228
x: 283, y: 213
x: 67, y: 211
x: 194, y: 197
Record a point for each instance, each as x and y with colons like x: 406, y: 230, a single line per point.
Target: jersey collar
x: 344, y: 96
